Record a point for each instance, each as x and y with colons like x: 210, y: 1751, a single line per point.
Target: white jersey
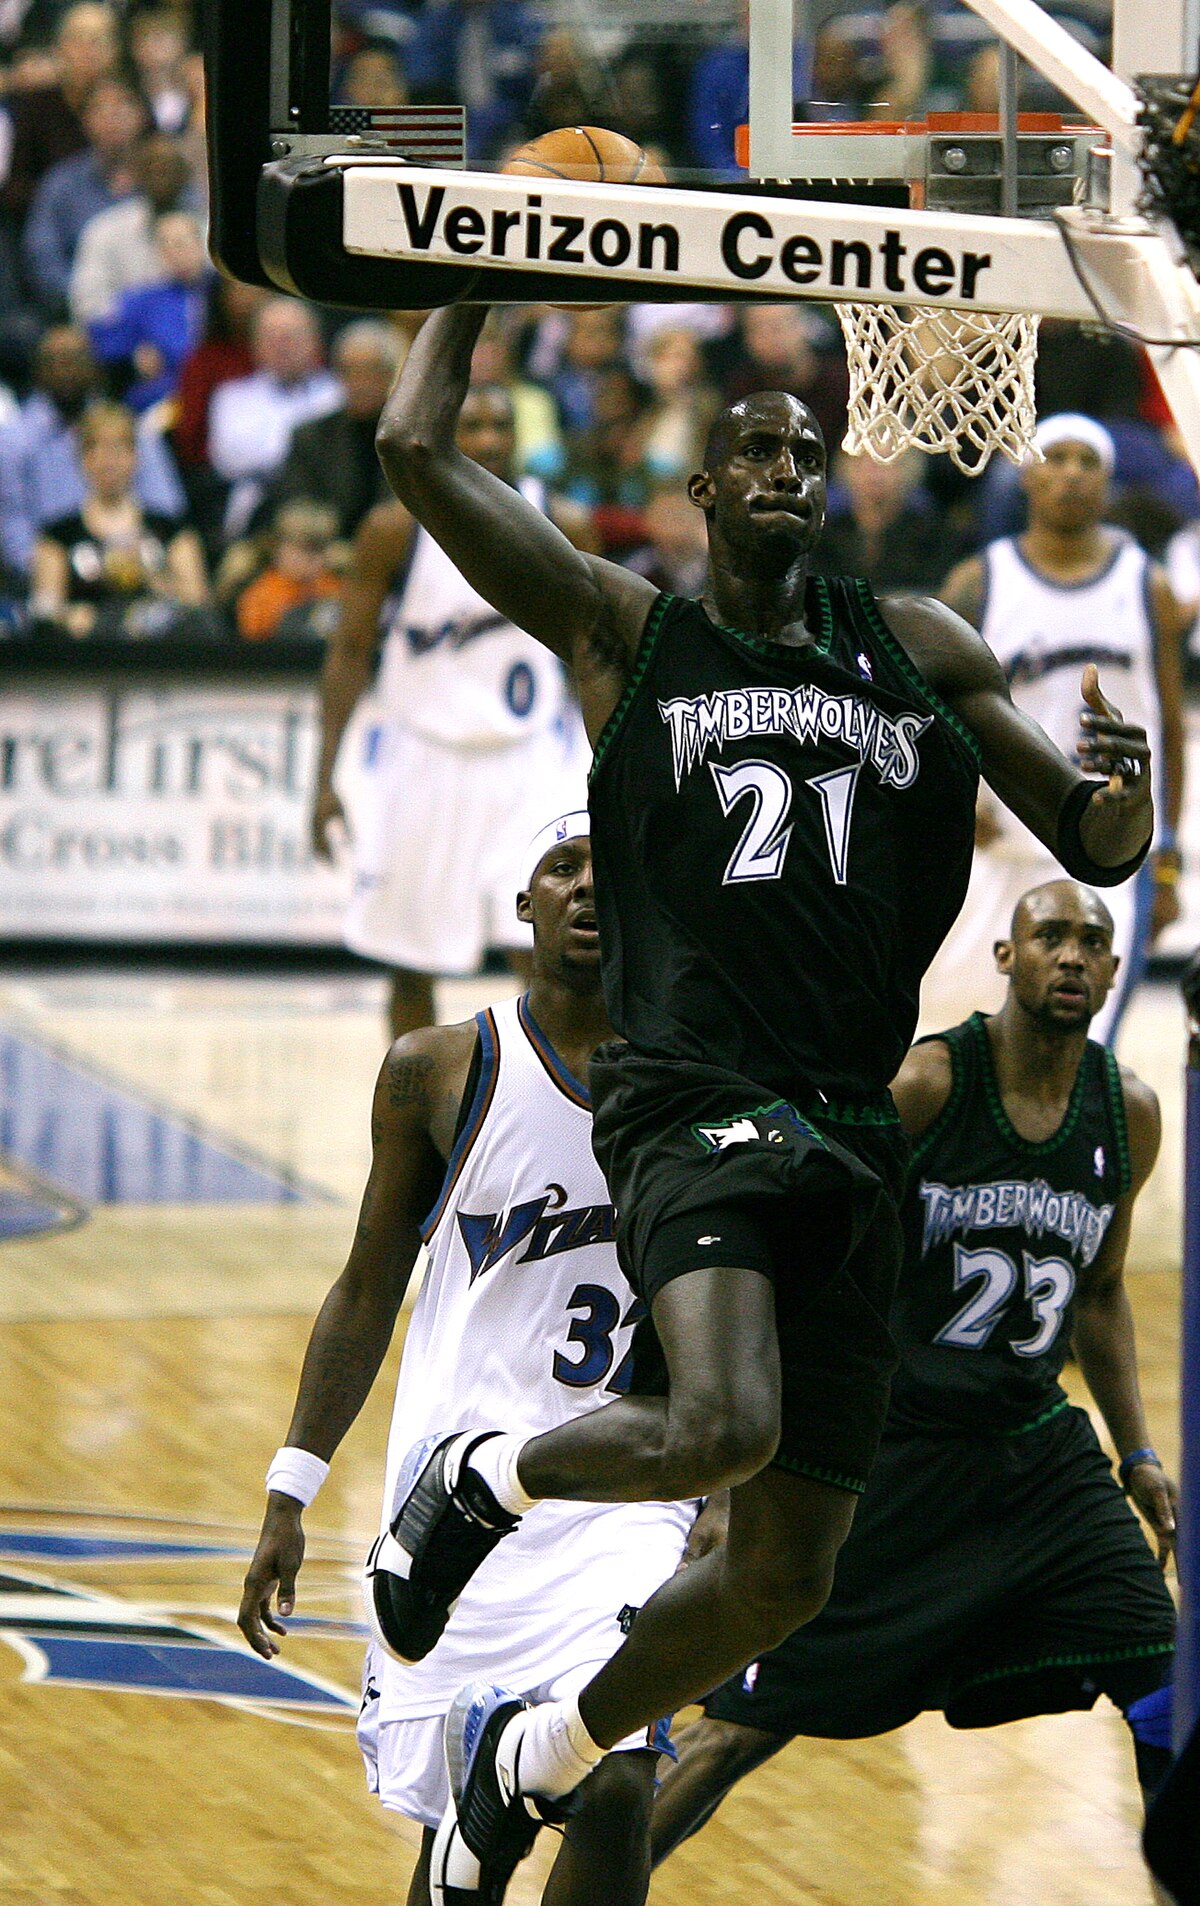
x: 1043, y: 633
x: 524, y: 1321
x: 454, y: 670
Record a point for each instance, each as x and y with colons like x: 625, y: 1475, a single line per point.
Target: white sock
x: 496, y: 1462
x: 548, y: 1749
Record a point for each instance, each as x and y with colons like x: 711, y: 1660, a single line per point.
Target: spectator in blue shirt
x: 75, y: 189
x: 482, y: 52
x: 156, y: 325
x: 41, y: 477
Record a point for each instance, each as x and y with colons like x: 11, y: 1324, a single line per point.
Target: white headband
x: 1069, y: 426
x: 574, y: 826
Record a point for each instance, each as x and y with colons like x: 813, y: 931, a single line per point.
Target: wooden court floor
x: 148, y: 1356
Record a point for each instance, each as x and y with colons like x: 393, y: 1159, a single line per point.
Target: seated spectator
x: 112, y: 567
x: 223, y: 353
x: 251, y: 419
x: 158, y: 48
x: 568, y: 88
x: 482, y: 52
x: 537, y: 439
x: 116, y: 249
x: 675, y: 554
x: 605, y: 471
x: 295, y: 596
x: 156, y: 326
x: 839, y: 84
x: 373, y: 77
x: 640, y: 107
x: 682, y: 407
x: 719, y: 102
x: 906, y: 52
x: 591, y: 345
x: 333, y: 460
x: 41, y: 474
x: 786, y: 347
x: 75, y: 189
x: 881, y: 525
x: 46, y: 119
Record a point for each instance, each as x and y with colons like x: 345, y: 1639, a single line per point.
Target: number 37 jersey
x: 997, y: 1233
x: 781, y: 839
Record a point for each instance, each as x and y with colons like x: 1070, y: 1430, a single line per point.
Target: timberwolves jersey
x: 781, y: 838
x: 523, y: 1322
x: 1043, y: 633
x: 455, y: 671
x: 996, y: 1233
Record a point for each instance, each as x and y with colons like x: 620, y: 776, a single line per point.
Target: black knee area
x: 614, y: 1804
x: 715, y: 1445
x: 731, y: 1750
x: 1152, y: 1766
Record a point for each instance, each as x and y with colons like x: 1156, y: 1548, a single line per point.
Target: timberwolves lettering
x: 1032, y: 1207
x: 493, y: 227
x: 806, y: 714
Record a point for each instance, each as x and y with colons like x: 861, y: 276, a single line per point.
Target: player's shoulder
x: 923, y: 1085
x: 1143, y: 1122
x: 951, y: 655
x: 422, y: 1066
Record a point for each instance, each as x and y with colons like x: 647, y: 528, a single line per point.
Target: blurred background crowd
x: 187, y: 458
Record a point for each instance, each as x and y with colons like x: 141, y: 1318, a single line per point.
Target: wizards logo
x: 70, y: 1635
x: 541, y: 1224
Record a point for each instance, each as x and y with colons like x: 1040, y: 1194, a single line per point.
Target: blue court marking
x: 98, y: 1548
x: 198, y: 1669
x: 108, y: 1144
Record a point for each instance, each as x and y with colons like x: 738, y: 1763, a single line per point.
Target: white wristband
x: 296, y: 1472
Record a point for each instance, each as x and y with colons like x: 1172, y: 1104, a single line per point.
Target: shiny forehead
x: 1060, y: 903
x: 774, y: 412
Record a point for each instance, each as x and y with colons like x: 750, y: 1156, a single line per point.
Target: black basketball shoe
x: 446, y: 1523
x: 490, y: 1825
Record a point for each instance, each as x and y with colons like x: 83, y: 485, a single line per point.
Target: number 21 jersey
x: 781, y: 838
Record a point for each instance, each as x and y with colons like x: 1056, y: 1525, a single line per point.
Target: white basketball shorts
x: 440, y: 835
x: 406, y: 1760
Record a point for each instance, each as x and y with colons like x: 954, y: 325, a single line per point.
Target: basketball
x: 586, y: 152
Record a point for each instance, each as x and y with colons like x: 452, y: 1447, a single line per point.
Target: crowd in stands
x: 182, y: 455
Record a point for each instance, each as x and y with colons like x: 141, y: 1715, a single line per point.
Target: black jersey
x: 781, y: 840
x: 996, y: 1233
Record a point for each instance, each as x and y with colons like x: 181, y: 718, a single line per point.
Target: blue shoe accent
x: 496, y: 1827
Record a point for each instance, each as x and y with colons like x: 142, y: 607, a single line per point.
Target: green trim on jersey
x: 1141, y: 1652
x: 908, y: 668
x: 1116, y: 1103
x: 822, y: 643
x: 881, y: 1111
x: 1030, y: 1148
x: 641, y: 662
x: 798, y: 1467
x: 1035, y: 1422
x: 953, y: 1105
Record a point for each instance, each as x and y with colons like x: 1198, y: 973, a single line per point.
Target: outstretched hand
x: 1110, y: 746
x: 275, y: 1566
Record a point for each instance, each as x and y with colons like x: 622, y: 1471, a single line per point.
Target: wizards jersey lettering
x: 806, y: 714
x: 491, y: 1236
x: 1030, y: 1206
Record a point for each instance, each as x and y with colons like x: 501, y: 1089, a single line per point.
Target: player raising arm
x: 782, y: 801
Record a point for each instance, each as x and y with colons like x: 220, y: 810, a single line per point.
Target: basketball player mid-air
x: 782, y: 799
x: 477, y: 741
x: 481, y: 1138
x: 1071, y: 589
x: 994, y: 1569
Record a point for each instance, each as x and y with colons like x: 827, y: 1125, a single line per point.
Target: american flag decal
x: 429, y: 135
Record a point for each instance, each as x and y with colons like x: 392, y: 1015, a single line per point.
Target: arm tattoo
x: 408, y: 1079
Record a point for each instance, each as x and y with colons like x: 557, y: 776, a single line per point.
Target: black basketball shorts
x: 990, y: 1577
x: 705, y: 1168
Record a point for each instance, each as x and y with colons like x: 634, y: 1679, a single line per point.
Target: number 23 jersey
x: 781, y: 838
x: 997, y: 1234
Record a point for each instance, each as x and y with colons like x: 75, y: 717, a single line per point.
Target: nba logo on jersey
x: 750, y: 1678
x: 1098, y: 1160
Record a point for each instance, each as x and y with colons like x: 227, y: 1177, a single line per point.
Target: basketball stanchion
x: 1187, y: 1659
x: 1172, y: 1837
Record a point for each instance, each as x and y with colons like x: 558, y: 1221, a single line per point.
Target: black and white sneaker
x: 446, y: 1522
x: 490, y: 1825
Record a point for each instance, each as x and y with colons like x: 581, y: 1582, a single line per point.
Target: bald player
x: 994, y: 1569
x: 1071, y: 590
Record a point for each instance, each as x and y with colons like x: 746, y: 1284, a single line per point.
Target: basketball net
x: 924, y: 377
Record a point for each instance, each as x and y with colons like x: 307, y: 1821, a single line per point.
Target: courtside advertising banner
x: 175, y: 812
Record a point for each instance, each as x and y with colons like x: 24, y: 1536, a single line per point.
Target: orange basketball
x: 586, y: 152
